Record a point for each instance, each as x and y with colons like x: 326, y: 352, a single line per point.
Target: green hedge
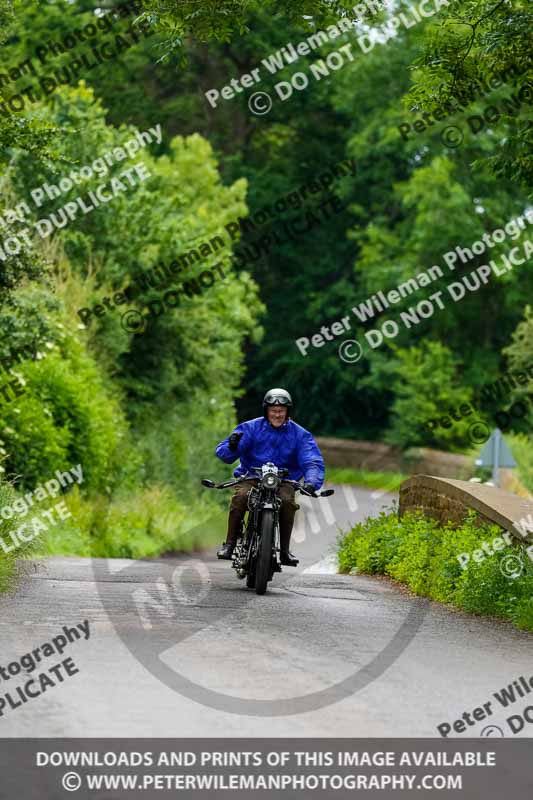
x: 8, y: 553
x: 66, y: 416
x: 419, y: 553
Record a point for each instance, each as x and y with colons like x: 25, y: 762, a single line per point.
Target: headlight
x: 270, y: 480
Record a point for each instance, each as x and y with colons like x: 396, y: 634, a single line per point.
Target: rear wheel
x: 263, y: 569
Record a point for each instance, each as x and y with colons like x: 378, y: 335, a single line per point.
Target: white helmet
x: 277, y: 397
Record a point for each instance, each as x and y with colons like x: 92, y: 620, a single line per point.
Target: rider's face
x: 276, y: 415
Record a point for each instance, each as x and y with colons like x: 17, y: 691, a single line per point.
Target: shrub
x: 60, y: 421
x: 425, y: 384
x: 369, y: 553
x: 143, y: 524
x: 522, y: 449
x: 9, y: 556
x: 418, y: 552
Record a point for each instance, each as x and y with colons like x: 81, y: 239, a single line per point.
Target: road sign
x: 496, y: 454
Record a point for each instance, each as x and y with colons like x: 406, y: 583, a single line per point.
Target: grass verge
x: 144, y: 524
x: 522, y: 449
x: 9, y: 553
x: 417, y: 552
x: 389, y: 481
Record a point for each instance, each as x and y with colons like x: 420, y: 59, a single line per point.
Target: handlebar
x: 297, y: 486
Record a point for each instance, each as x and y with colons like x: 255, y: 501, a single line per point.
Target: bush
x: 419, y: 553
x: 177, y: 441
x: 143, y: 524
x: 426, y: 384
x: 59, y: 422
x: 522, y: 448
x: 369, y: 553
x: 142, y: 414
x: 9, y: 556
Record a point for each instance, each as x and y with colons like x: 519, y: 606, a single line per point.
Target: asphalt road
x: 179, y: 647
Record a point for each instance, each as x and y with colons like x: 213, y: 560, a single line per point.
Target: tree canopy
x: 351, y: 187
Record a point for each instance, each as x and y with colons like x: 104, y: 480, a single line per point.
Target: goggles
x: 276, y: 400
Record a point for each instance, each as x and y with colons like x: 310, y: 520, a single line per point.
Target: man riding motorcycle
x: 277, y: 438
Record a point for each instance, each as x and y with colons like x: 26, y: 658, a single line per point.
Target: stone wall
x: 445, y: 499
x: 378, y: 457
x: 416, y: 496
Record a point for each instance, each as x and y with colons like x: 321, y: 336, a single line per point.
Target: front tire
x: 263, y: 567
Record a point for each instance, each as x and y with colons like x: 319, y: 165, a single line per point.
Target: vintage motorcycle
x: 256, y: 555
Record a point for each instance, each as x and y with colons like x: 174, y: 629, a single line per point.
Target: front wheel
x: 263, y: 567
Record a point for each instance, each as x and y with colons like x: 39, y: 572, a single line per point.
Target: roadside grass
x: 522, y: 448
x: 389, y: 481
x: 9, y: 568
x: 146, y: 524
x: 422, y: 555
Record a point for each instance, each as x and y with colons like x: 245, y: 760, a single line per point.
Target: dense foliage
x: 143, y: 410
x: 416, y: 551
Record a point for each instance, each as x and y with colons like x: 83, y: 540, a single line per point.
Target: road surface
x: 179, y: 647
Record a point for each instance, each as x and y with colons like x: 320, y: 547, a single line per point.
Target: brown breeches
x: 239, y: 504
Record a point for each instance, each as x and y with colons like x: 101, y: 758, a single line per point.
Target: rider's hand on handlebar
x: 234, y: 440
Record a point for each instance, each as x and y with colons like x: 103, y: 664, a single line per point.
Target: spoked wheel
x: 263, y: 568
x: 250, y: 565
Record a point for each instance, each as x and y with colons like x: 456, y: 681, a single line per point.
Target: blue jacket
x: 290, y: 447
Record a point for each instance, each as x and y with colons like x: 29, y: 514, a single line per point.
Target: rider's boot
x: 287, y: 559
x: 226, y: 551
x: 285, y: 556
x: 234, y: 531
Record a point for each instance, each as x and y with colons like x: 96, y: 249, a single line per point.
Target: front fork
x: 275, y: 506
x: 247, y: 543
x: 277, y: 545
